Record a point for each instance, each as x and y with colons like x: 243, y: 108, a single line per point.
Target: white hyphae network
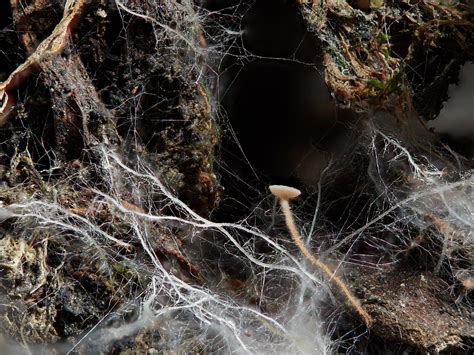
x: 235, y: 281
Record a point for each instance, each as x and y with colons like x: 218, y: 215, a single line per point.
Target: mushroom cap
x: 284, y: 192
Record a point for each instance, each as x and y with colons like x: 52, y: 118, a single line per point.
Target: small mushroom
x: 286, y: 193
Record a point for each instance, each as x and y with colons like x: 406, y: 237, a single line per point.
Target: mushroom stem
x: 351, y: 300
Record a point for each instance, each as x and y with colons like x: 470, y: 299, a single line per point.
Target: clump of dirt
x: 415, y: 307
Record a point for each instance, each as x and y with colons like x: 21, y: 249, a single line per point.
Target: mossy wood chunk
x: 368, y: 42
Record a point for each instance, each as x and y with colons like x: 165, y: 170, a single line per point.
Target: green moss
x: 375, y: 83
x: 121, y: 268
x: 382, y: 38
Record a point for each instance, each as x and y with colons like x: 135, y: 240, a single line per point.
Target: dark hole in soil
x: 280, y: 123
